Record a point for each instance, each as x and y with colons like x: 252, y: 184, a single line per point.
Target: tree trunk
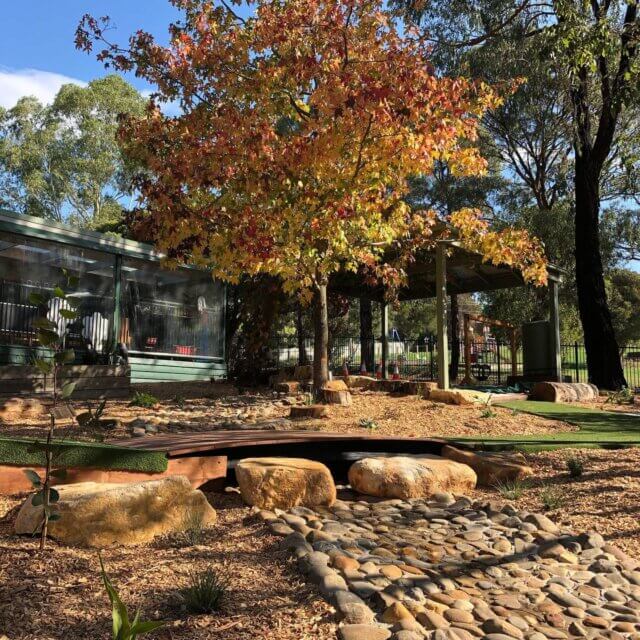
x: 320, y: 339
x: 455, y: 339
x: 302, y: 351
x: 603, y: 359
x: 366, y: 335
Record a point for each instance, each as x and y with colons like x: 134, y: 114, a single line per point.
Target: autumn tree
x: 299, y: 129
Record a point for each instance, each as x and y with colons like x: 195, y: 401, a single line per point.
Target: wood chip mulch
x: 59, y: 594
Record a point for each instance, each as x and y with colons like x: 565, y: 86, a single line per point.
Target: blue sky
x: 37, y: 53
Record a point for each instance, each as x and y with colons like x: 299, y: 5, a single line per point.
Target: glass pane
x: 179, y: 312
x: 28, y: 265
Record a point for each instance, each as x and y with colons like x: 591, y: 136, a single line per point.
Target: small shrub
x: 551, y: 498
x: 308, y: 399
x: 204, y: 593
x: 575, y: 466
x: 488, y: 413
x: 179, y: 401
x: 123, y: 628
x: 623, y: 396
x: 145, y: 400
x: 511, y: 489
x: 368, y: 423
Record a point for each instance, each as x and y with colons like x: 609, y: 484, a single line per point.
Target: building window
x: 28, y: 265
x: 171, y: 312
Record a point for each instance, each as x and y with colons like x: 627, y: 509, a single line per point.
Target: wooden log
x: 564, y: 392
x: 336, y: 392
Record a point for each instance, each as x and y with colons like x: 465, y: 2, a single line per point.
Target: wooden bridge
x: 211, y: 455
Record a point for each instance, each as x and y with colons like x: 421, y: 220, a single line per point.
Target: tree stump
x: 564, y: 392
x: 336, y: 392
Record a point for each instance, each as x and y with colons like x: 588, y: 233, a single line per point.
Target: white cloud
x: 16, y: 83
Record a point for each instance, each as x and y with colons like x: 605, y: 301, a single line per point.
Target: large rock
x: 98, y: 515
x: 491, y: 468
x: 564, y: 392
x: 283, y: 483
x: 410, y: 476
x: 458, y: 396
x: 309, y: 411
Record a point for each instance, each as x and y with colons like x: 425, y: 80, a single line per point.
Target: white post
x: 441, y: 316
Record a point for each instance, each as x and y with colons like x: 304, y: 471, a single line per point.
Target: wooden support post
x: 554, y: 322
x: 441, y: 316
x: 117, y: 302
x: 467, y: 351
x: 384, y: 323
x: 514, y: 354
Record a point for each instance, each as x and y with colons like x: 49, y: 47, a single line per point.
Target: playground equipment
x: 477, y: 370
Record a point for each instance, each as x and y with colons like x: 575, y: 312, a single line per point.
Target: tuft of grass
x: 368, y: 423
x: 205, y: 592
x: 575, y: 466
x: 511, y: 489
x: 145, y: 400
x: 551, y: 498
x: 193, y: 530
x: 488, y: 413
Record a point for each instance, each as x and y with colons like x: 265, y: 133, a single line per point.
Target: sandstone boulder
x: 336, y: 392
x: 410, y: 476
x: 14, y: 409
x: 287, y: 386
x: 359, y: 382
x: 491, y: 468
x: 282, y: 483
x: 564, y: 392
x: 101, y: 514
x: 458, y: 396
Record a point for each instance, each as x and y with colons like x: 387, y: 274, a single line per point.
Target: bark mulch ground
x: 59, y: 594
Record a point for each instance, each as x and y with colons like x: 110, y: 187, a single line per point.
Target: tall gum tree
x: 300, y: 127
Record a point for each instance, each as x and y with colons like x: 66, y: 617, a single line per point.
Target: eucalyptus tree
x: 62, y: 161
x: 573, y: 127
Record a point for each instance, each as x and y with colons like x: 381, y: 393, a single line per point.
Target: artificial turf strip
x: 597, y: 428
x: 70, y: 454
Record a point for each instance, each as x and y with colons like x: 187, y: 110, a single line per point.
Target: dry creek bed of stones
x: 455, y: 569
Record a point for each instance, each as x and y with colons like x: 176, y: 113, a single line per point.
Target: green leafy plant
x: 53, y: 338
x: 142, y: 399
x: 179, y: 401
x: 123, y: 627
x: 368, y: 423
x: 575, y: 466
x: 623, y: 396
x: 511, y: 489
x: 488, y: 413
x: 205, y: 592
x: 551, y: 498
x: 92, y: 416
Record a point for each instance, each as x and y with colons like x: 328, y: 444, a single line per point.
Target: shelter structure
x: 447, y: 270
x: 169, y: 322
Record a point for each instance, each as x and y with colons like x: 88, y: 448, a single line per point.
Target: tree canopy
x: 62, y: 161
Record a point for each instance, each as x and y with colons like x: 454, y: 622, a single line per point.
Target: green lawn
x: 71, y: 454
x: 596, y: 428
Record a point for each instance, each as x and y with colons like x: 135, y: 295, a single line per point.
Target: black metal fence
x: 490, y: 360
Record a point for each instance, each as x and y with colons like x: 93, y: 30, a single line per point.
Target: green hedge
x: 72, y: 454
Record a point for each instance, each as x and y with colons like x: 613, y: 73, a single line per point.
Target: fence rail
x: 490, y: 360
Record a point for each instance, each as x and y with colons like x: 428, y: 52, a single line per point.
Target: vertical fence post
x: 498, y: 354
x: 576, y: 353
x: 430, y: 347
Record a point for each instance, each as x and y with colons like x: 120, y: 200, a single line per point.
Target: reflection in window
x: 173, y: 312
x: 28, y: 265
